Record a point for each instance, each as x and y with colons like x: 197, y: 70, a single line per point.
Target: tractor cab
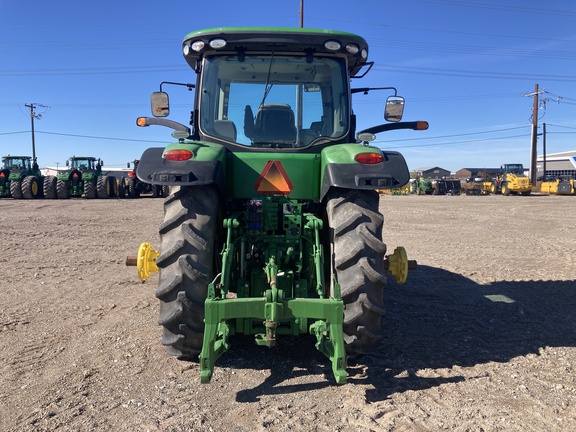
x: 23, y: 163
x: 517, y: 169
x: 83, y: 163
x: 289, y: 90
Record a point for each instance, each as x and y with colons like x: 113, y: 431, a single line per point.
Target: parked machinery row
x: 563, y: 185
x: 20, y: 178
x: 511, y: 180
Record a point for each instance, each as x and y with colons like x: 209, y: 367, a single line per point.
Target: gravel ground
x: 482, y: 337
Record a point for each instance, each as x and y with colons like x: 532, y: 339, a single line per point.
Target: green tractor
x: 83, y: 178
x: 272, y: 226
x: 134, y: 187
x: 20, y: 178
x: 424, y: 186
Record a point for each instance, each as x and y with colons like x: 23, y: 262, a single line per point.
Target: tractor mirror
x: 394, y: 108
x: 160, y: 104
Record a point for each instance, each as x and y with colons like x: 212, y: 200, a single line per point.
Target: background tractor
x: 273, y: 227
x: 134, y: 187
x: 424, y: 186
x: 83, y: 177
x: 511, y: 180
x: 20, y: 178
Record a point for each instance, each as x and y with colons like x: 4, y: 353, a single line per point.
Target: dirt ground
x: 481, y: 338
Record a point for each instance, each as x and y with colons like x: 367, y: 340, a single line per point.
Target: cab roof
x: 304, y: 41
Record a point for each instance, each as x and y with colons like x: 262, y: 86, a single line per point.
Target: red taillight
x: 178, y: 155
x: 131, y: 174
x: 368, y: 158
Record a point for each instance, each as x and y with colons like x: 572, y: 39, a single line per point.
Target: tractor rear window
x: 274, y: 101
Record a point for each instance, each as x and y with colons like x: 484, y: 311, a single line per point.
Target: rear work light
x: 178, y: 155
x: 368, y: 158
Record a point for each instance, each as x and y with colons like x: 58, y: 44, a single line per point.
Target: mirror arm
x: 365, y: 90
x: 415, y: 125
x: 189, y: 86
x: 148, y: 121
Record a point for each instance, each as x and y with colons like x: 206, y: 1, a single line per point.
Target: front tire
x: 186, y: 264
x: 358, y: 261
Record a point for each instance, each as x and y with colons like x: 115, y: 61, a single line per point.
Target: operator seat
x: 275, y: 124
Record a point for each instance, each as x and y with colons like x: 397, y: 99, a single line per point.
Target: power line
x: 14, y: 133
x: 93, y: 71
x: 99, y: 137
x: 500, y: 7
x: 453, y: 142
x: 475, y: 74
x: 457, y: 135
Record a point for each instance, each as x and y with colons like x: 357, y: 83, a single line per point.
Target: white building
x: 557, y: 164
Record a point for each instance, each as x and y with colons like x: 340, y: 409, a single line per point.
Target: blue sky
x: 463, y: 66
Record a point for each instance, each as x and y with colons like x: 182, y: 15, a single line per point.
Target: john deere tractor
x: 135, y: 187
x: 20, y: 178
x: 83, y: 177
x: 272, y: 226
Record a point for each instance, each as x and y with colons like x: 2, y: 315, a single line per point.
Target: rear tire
x: 186, y: 264
x: 358, y: 260
x: 62, y: 190
x: 49, y: 187
x: 103, y: 187
x: 132, y: 188
x: 122, y: 187
x: 16, y: 189
x: 90, y: 189
x: 31, y: 188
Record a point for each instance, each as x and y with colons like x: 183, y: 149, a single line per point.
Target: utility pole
x: 538, y: 103
x: 544, y: 151
x: 534, y: 146
x: 301, y: 13
x: 34, y: 115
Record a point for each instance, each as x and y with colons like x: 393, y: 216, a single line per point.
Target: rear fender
x: 16, y: 175
x: 207, y: 166
x: 340, y: 169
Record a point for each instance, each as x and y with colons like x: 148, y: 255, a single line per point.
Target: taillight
x: 178, y: 155
x: 368, y: 158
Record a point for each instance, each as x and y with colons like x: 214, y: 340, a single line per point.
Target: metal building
x: 557, y: 164
x: 432, y: 172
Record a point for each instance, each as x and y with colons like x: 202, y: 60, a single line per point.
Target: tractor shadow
x: 292, y: 358
x: 438, y: 320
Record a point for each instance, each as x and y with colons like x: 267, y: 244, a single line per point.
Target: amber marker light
x: 368, y: 158
x: 421, y: 125
x: 141, y: 121
x: 178, y: 155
